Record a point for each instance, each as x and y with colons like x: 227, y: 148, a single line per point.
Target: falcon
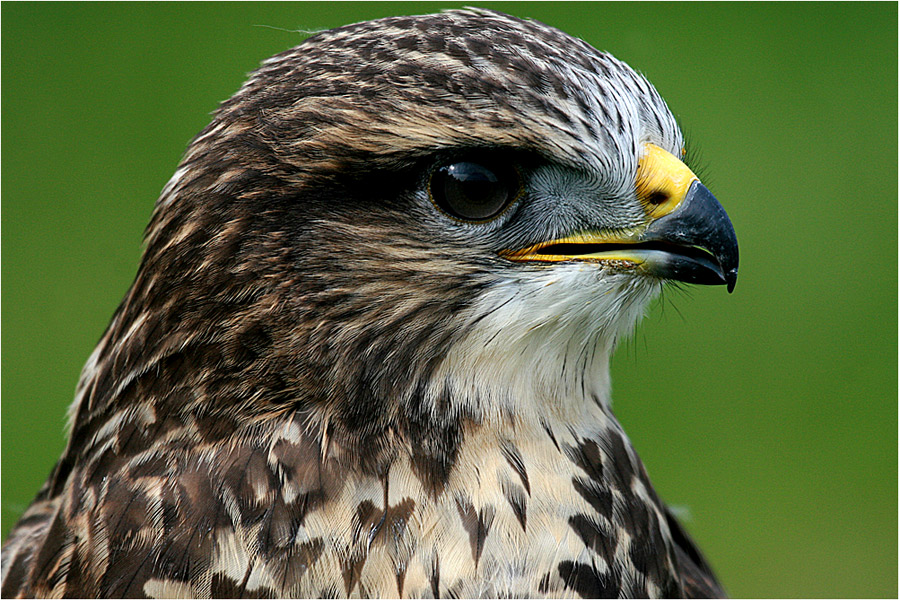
x: 366, y: 352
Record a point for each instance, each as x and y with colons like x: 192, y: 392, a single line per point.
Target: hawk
x: 366, y: 352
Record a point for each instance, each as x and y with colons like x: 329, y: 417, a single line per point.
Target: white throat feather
x: 538, y: 346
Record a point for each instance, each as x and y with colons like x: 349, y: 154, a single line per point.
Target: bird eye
x: 474, y: 191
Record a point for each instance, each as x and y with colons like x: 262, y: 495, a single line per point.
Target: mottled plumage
x: 321, y: 383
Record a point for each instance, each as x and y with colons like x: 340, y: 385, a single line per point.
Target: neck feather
x: 539, y: 347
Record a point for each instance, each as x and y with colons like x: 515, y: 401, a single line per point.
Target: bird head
x: 415, y: 219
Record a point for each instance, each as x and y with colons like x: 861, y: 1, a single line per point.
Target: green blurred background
x: 770, y: 414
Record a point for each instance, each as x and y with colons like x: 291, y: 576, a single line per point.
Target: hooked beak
x: 688, y: 237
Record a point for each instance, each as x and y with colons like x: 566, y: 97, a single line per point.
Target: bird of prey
x: 366, y: 352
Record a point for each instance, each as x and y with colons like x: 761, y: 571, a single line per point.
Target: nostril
x: 657, y: 198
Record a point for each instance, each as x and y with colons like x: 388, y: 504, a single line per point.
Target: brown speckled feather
x: 321, y: 385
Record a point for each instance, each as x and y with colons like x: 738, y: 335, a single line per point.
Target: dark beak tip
x: 718, y: 231
x: 731, y: 279
x: 700, y: 222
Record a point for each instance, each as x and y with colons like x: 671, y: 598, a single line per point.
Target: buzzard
x: 367, y: 349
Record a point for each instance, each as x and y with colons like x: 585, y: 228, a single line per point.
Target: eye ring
x: 474, y: 189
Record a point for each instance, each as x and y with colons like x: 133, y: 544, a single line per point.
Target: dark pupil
x: 470, y: 191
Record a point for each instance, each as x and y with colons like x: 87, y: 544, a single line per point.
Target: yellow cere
x: 662, y: 181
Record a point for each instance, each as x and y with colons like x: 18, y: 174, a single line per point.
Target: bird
x: 366, y: 351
